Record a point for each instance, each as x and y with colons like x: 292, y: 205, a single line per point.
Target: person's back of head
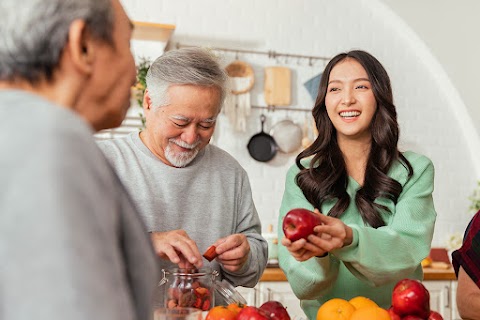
x: 35, y: 32
x: 186, y: 66
x: 74, y: 53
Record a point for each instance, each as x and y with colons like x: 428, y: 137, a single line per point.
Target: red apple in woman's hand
x: 299, y: 223
x: 410, y: 297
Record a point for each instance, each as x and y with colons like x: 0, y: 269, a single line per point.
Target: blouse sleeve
x: 395, y: 251
x: 311, y: 278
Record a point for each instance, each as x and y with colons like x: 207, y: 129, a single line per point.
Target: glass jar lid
x: 228, y: 292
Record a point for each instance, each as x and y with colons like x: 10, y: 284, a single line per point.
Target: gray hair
x: 33, y: 33
x: 186, y: 66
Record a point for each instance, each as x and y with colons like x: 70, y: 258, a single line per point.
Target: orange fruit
x: 370, y: 313
x: 335, y: 309
x: 362, y: 302
x: 427, y: 262
x: 220, y: 313
x: 236, y: 307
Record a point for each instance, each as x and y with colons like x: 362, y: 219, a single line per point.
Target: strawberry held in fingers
x: 211, y: 253
x: 299, y: 223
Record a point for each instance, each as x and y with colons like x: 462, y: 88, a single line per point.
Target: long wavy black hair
x: 326, y: 178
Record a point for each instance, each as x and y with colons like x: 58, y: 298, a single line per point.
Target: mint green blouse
x: 377, y: 258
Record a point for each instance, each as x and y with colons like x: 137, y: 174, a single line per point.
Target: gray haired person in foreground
x: 190, y: 194
x: 72, y: 245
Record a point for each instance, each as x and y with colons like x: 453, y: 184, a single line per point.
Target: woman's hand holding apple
x: 298, y: 251
x: 334, y: 234
x: 328, y: 234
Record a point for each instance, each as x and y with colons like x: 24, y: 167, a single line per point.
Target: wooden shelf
x: 276, y: 274
x: 152, y: 31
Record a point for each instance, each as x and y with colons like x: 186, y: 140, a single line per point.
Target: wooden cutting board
x: 277, y: 89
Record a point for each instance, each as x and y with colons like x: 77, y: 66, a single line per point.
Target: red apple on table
x: 413, y: 317
x: 434, y: 315
x: 299, y: 223
x: 393, y: 315
x: 410, y: 297
x: 252, y: 313
x: 275, y: 310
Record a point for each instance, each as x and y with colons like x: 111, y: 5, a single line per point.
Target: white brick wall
x: 431, y: 114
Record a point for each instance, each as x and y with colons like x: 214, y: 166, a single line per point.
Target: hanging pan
x: 262, y: 147
x: 288, y: 135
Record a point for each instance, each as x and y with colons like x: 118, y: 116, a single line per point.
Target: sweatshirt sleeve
x: 249, y: 224
x: 395, y: 251
x: 308, y: 279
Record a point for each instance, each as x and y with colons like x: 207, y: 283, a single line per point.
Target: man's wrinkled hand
x: 177, y: 247
x: 232, y: 251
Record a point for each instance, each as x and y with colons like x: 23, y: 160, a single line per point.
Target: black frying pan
x: 262, y: 147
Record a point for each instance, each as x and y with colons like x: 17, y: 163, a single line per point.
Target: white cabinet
x: 250, y: 294
x: 282, y: 292
x: 443, y: 298
x: 455, y: 315
x: 274, y: 290
x: 440, y: 297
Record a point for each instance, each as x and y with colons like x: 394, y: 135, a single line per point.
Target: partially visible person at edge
x: 191, y: 194
x: 72, y: 245
x: 466, y: 262
x: 374, y: 201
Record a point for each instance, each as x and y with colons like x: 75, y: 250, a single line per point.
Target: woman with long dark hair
x: 374, y: 201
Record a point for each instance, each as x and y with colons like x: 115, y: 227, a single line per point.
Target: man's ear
x: 147, y: 102
x: 81, y: 46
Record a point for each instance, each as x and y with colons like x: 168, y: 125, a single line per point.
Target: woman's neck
x: 355, y: 153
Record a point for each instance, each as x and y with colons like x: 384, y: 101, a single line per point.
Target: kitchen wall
x: 450, y: 32
x: 432, y: 116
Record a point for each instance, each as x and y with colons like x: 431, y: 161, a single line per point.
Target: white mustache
x: 183, y: 144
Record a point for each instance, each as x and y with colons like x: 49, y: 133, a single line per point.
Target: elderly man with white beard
x: 191, y: 194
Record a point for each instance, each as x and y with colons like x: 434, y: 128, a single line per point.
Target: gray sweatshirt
x: 72, y: 245
x: 209, y: 199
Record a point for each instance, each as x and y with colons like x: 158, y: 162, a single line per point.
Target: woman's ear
x: 81, y: 47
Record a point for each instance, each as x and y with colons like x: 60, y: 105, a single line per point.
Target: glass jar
x: 193, y: 288
x: 188, y: 288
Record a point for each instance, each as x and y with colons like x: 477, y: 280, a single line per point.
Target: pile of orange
x: 358, y: 308
x: 229, y: 312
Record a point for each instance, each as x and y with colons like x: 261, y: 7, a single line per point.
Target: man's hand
x: 232, y: 251
x: 177, y: 247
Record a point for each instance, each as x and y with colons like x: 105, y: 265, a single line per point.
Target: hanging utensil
x: 287, y: 135
x: 262, y: 147
x: 237, y: 103
x: 277, y: 89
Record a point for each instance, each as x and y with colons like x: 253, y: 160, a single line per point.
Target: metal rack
x: 274, y: 108
x: 271, y: 54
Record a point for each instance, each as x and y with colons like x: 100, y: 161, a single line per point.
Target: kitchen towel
x: 312, y: 86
